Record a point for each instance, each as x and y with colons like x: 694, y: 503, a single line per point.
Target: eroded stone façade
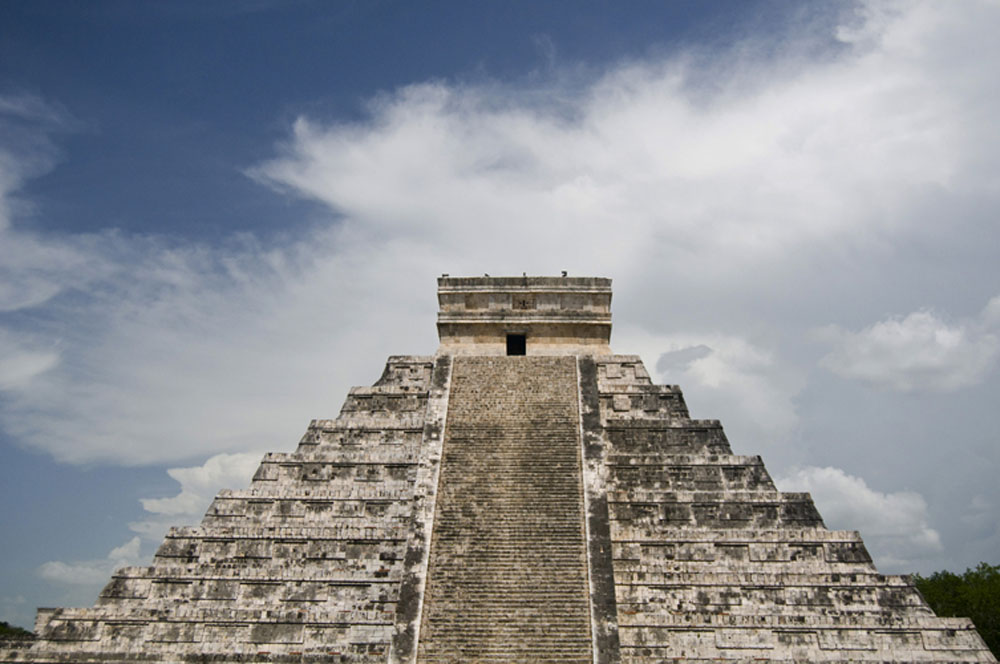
x: 524, y: 495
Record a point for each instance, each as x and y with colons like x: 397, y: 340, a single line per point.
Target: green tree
x: 974, y: 594
x: 10, y: 632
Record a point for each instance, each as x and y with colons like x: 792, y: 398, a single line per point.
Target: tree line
x: 974, y: 594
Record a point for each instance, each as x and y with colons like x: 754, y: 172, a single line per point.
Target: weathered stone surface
x: 712, y: 563
x: 304, y: 565
x: 557, y: 315
x: 557, y: 507
x: 508, y: 570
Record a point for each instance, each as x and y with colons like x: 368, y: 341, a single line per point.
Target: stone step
x: 507, y: 575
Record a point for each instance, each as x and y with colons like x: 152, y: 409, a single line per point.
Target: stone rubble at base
x: 474, y: 507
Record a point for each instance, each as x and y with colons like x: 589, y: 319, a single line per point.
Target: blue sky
x: 166, y: 99
x: 217, y: 217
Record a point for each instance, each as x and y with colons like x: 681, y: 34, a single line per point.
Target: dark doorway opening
x: 516, y: 344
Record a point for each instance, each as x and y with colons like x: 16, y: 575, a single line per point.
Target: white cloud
x: 199, y: 485
x: 895, y: 526
x: 784, y: 157
x: 169, y: 351
x: 92, y: 572
x: 920, y: 352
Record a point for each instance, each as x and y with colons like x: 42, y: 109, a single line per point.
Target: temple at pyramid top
x: 524, y: 315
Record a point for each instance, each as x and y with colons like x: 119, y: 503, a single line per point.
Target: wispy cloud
x: 34, y: 268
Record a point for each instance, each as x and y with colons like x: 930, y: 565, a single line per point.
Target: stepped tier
x: 712, y: 563
x: 304, y: 565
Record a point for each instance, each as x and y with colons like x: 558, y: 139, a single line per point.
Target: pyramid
x: 523, y: 495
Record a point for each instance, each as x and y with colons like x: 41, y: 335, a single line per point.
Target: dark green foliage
x: 10, y: 632
x: 975, y: 595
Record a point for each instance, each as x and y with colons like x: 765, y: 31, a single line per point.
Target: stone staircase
x: 508, y: 569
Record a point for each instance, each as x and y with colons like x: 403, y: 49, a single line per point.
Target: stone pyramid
x: 524, y: 495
